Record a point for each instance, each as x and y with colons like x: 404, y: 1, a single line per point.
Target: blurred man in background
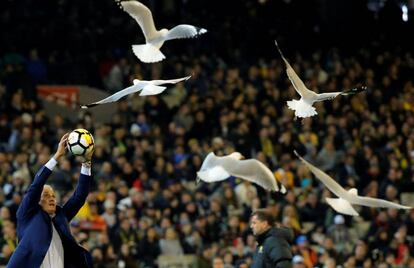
x: 273, y: 249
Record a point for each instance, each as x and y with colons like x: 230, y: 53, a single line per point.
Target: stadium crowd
x: 145, y: 202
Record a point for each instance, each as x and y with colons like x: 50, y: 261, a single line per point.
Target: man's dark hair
x: 263, y: 214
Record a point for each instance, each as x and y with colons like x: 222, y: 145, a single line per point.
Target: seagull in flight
x: 150, y: 52
x: 153, y: 87
x: 218, y: 168
x: 343, y: 204
x: 303, y: 107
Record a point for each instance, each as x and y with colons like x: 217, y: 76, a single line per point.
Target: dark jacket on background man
x: 273, y: 249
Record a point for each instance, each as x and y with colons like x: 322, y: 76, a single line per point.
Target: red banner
x: 62, y: 95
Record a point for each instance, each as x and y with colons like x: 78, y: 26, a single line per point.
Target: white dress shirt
x: 55, y: 255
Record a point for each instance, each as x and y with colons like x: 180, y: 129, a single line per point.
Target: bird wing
x: 354, y: 91
x: 330, y: 183
x: 171, y: 81
x: 184, y: 31
x: 251, y: 170
x: 153, y: 87
x: 327, y: 96
x: 374, y: 202
x: 216, y: 168
x: 142, y: 15
x: 297, y: 83
x: 114, y: 97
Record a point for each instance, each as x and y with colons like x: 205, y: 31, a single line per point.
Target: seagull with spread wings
x: 303, y: 107
x: 147, y: 88
x: 343, y: 204
x: 218, y: 168
x: 150, y: 52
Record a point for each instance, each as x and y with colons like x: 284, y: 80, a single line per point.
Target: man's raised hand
x: 61, y: 150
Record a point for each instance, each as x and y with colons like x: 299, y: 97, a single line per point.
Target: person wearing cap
x: 310, y: 257
x: 45, y: 239
x: 273, y: 243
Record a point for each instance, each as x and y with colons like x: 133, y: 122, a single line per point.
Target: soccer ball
x: 80, y: 142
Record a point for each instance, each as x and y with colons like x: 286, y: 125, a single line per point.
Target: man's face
x: 48, y: 200
x: 218, y: 263
x: 258, y: 226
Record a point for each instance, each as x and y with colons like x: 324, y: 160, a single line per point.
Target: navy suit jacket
x: 34, y: 226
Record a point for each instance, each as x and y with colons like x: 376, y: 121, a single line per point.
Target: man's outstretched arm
x: 78, y: 198
x: 32, y: 196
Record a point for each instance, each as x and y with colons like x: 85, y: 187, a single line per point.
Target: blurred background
x: 145, y: 209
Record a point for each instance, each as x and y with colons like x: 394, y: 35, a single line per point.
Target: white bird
x: 346, y: 199
x: 218, y: 168
x: 152, y: 87
x: 303, y: 107
x: 150, y: 52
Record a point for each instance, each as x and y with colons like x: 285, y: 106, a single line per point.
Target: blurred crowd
x: 145, y: 203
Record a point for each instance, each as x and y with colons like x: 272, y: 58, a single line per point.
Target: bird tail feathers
x: 202, y: 176
x: 148, y: 53
x: 301, y: 108
x: 342, y: 206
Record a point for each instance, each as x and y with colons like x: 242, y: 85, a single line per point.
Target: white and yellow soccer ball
x: 80, y: 142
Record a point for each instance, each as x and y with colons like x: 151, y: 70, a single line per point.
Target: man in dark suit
x: 273, y: 243
x: 45, y: 239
